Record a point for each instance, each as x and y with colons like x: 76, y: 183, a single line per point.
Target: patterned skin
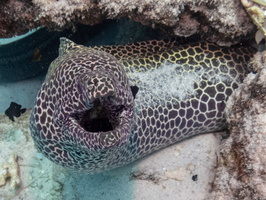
x: 88, y: 117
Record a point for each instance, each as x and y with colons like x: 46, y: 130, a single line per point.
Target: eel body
x: 103, y: 107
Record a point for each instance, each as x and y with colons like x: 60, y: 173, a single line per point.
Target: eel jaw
x: 99, y: 118
x: 110, y: 124
x: 107, y: 117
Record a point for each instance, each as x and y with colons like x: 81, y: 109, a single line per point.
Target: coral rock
x: 10, y: 170
x: 215, y: 20
x: 241, y: 169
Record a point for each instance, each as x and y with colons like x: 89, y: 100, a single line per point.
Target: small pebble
x: 195, y: 177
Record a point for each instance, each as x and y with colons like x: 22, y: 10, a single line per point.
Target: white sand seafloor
x: 166, y: 174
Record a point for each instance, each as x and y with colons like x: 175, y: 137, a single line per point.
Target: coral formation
x: 213, y: 19
x: 240, y: 173
x: 10, y: 170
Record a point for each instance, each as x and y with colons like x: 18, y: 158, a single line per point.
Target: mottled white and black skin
x: 86, y: 118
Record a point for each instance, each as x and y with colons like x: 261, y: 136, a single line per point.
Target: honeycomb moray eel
x: 103, y: 107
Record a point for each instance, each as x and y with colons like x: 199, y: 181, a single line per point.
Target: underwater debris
x: 176, y: 174
x: 146, y: 176
x: 14, y: 110
x: 10, y: 171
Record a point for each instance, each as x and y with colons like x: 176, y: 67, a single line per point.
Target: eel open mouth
x: 99, y: 118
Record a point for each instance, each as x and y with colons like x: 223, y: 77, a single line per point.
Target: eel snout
x: 107, y: 113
